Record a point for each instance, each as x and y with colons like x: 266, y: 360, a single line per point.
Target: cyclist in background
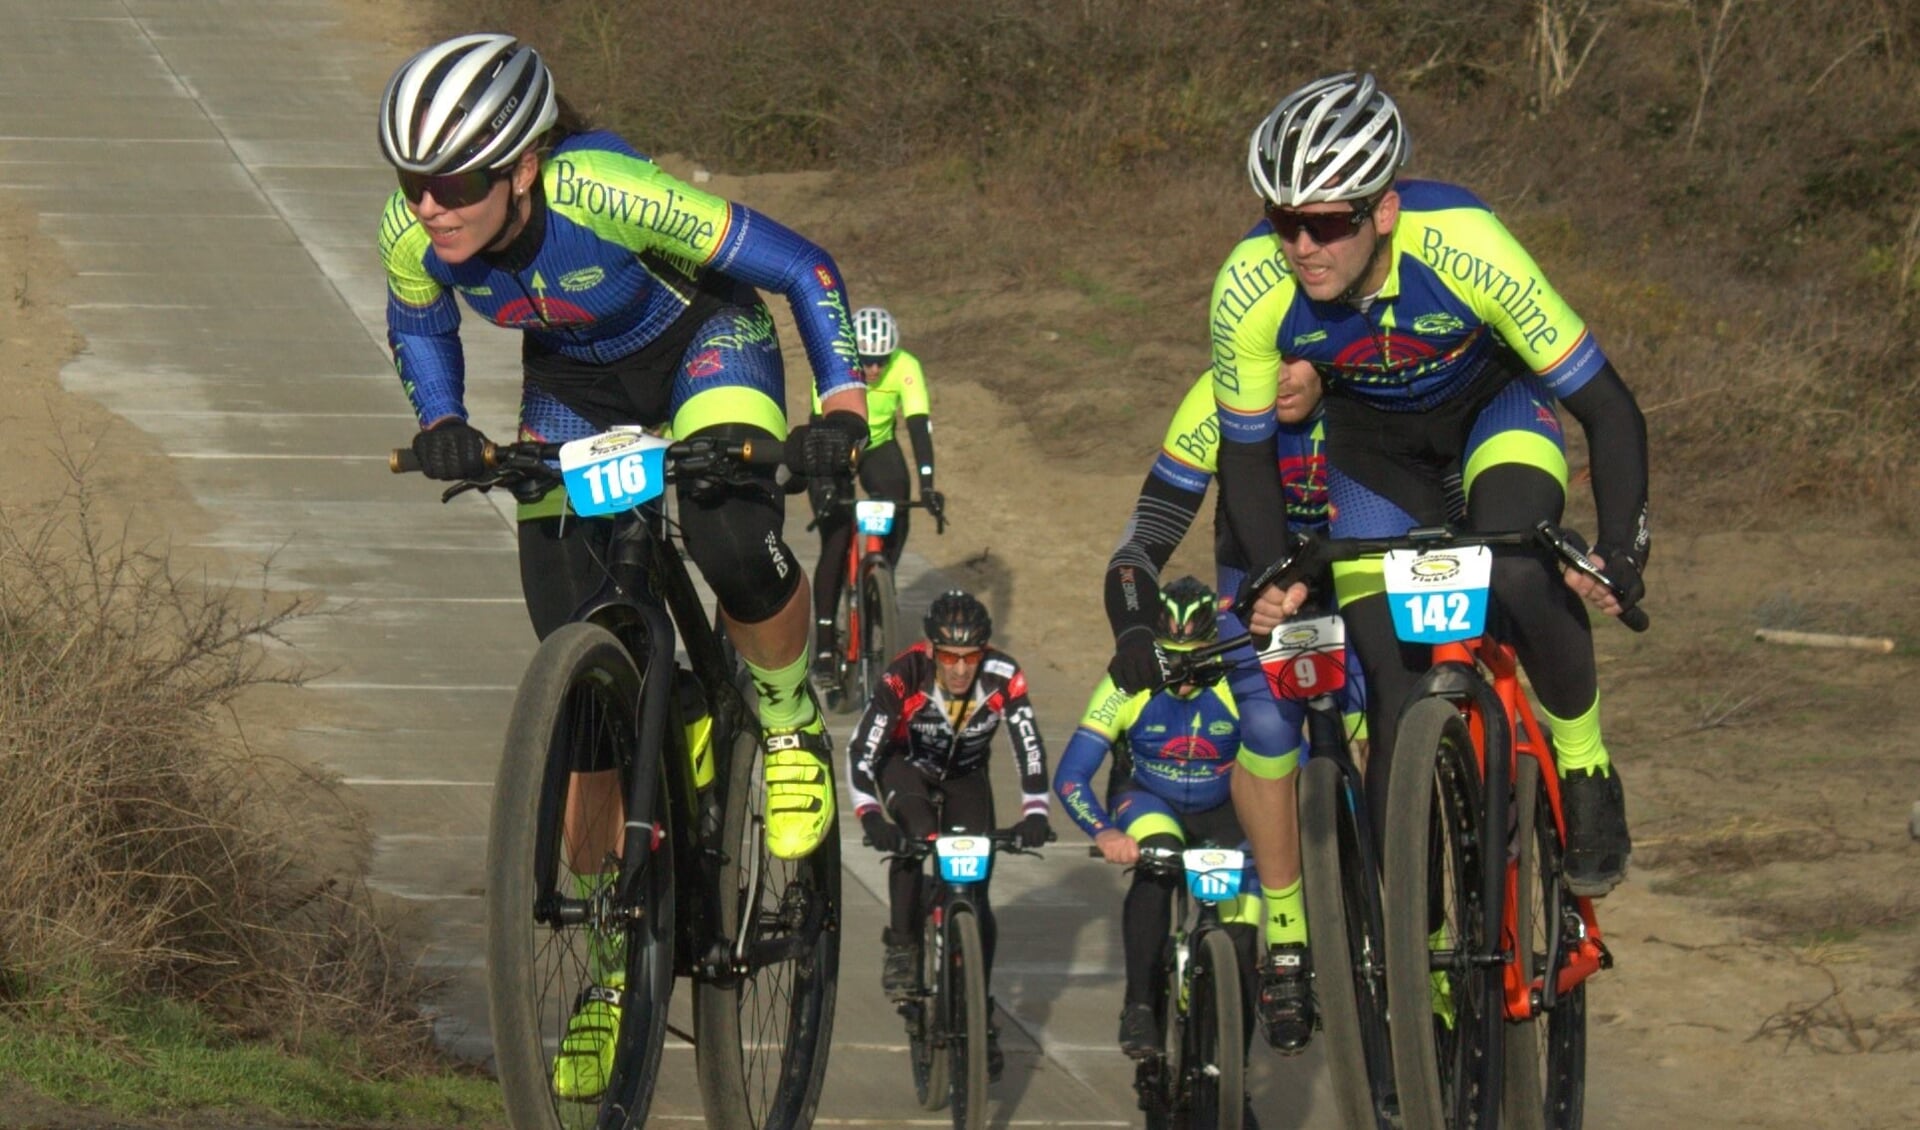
x: 894, y: 382
x: 1181, y: 743
x: 635, y: 296
x: 1165, y: 510
x: 922, y: 744
x: 1441, y: 344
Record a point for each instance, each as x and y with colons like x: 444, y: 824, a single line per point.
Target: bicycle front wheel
x: 1349, y: 975
x: 1546, y: 1057
x: 554, y: 928
x: 1446, y: 1001
x: 763, y: 1028
x: 880, y: 629
x: 967, y: 1010
x: 1215, y: 1058
x: 924, y: 1014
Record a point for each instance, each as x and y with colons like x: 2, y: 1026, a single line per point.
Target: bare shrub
x: 146, y: 848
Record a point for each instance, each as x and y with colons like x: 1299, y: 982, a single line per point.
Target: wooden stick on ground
x: 1824, y: 639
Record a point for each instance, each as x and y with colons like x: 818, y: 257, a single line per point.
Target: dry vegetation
x: 149, y: 851
x: 1728, y: 190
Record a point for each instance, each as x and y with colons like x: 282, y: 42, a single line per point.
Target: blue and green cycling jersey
x: 1183, y: 750
x: 625, y: 249
x: 1461, y: 296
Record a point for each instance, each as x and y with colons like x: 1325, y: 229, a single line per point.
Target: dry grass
x: 148, y: 850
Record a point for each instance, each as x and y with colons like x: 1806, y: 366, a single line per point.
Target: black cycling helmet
x: 956, y: 619
x: 1188, y: 614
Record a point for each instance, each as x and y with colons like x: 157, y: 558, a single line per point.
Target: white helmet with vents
x: 473, y: 102
x: 1336, y: 138
x: 874, y: 332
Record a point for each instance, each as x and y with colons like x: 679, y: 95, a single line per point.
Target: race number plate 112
x: 613, y: 471
x: 1439, y: 595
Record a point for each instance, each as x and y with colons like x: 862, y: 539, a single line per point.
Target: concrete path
x: 208, y: 167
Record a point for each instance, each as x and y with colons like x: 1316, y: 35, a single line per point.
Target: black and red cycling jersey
x: 912, y: 716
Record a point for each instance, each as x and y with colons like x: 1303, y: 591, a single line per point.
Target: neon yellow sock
x: 784, y: 701
x: 1576, y: 741
x: 1286, y: 916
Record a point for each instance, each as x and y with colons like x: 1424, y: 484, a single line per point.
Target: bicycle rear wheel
x: 923, y: 1018
x: 880, y: 630
x: 1215, y: 1060
x: 552, y: 924
x: 967, y: 1040
x: 763, y: 1030
x: 1446, y: 1003
x: 1349, y: 976
x: 1546, y: 1057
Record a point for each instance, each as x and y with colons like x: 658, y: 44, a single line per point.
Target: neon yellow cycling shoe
x: 585, y: 1062
x: 799, y: 790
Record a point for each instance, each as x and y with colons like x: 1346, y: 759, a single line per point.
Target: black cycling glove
x: 829, y: 449
x: 1623, y: 569
x: 1138, y: 664
x: 1034, y: 830
x: 882, y: 833
x: 452, y: 451
x: 936, y: 505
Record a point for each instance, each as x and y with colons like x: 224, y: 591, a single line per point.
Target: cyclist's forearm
x: 1073, y: 784
x: 1255, y: 503
x: 1161, y: 517
x: 1029, y: 753
x: 1617, y: 446
x: 920, y: 431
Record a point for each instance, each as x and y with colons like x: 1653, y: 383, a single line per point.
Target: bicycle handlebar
x: 692, y: 456
x: 1006, y: 840
x: 1312, y: 552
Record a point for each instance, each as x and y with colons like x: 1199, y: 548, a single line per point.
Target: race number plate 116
x: 613, y: 471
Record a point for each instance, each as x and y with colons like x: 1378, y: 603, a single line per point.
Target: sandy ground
x: 1768, y: 965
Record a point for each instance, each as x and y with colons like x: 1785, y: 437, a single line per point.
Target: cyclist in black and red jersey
x: 924, y: 738
x: 1441, y: 345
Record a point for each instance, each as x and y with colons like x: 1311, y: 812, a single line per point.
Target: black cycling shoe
x: 900, y: 972
x: 1286, y: 1006
x: 826, y: 668
x: 1139, y: 1031
x: 1598, y: 846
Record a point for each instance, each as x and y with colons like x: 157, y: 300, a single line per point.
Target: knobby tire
x: 967, y: 1040
x: 577, y: 703
x: 1546, y: 1057
x: 1446, y: 1073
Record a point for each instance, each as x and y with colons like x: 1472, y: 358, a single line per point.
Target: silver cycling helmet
x: 473, y: 102
x: 874, y: 332
x: 1336, y: 138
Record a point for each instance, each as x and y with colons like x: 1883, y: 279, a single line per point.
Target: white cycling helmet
x: 473, y: 102
x: 874, y: 332
x: 1336, y: 138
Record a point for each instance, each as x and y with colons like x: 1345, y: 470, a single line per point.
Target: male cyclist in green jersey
x: 1441, y: 344
x: 895, y: 385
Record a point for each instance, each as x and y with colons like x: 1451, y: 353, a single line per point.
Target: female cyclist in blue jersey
x: 1442, y: 345
x: 635, y: 297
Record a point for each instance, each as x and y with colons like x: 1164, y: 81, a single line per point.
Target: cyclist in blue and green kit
x: 1442, y: 346
x: 635, y: 295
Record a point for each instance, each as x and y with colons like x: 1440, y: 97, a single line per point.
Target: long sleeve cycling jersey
x: 1183, y: 750
x: 1462, y: 304
x: 1176, y: 488
x: 912, y: 716
x: 902, y: 388
x: 625, y: 247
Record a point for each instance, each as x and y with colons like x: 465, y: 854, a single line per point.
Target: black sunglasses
x: 1324, y: 227
x: 451, y: 190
